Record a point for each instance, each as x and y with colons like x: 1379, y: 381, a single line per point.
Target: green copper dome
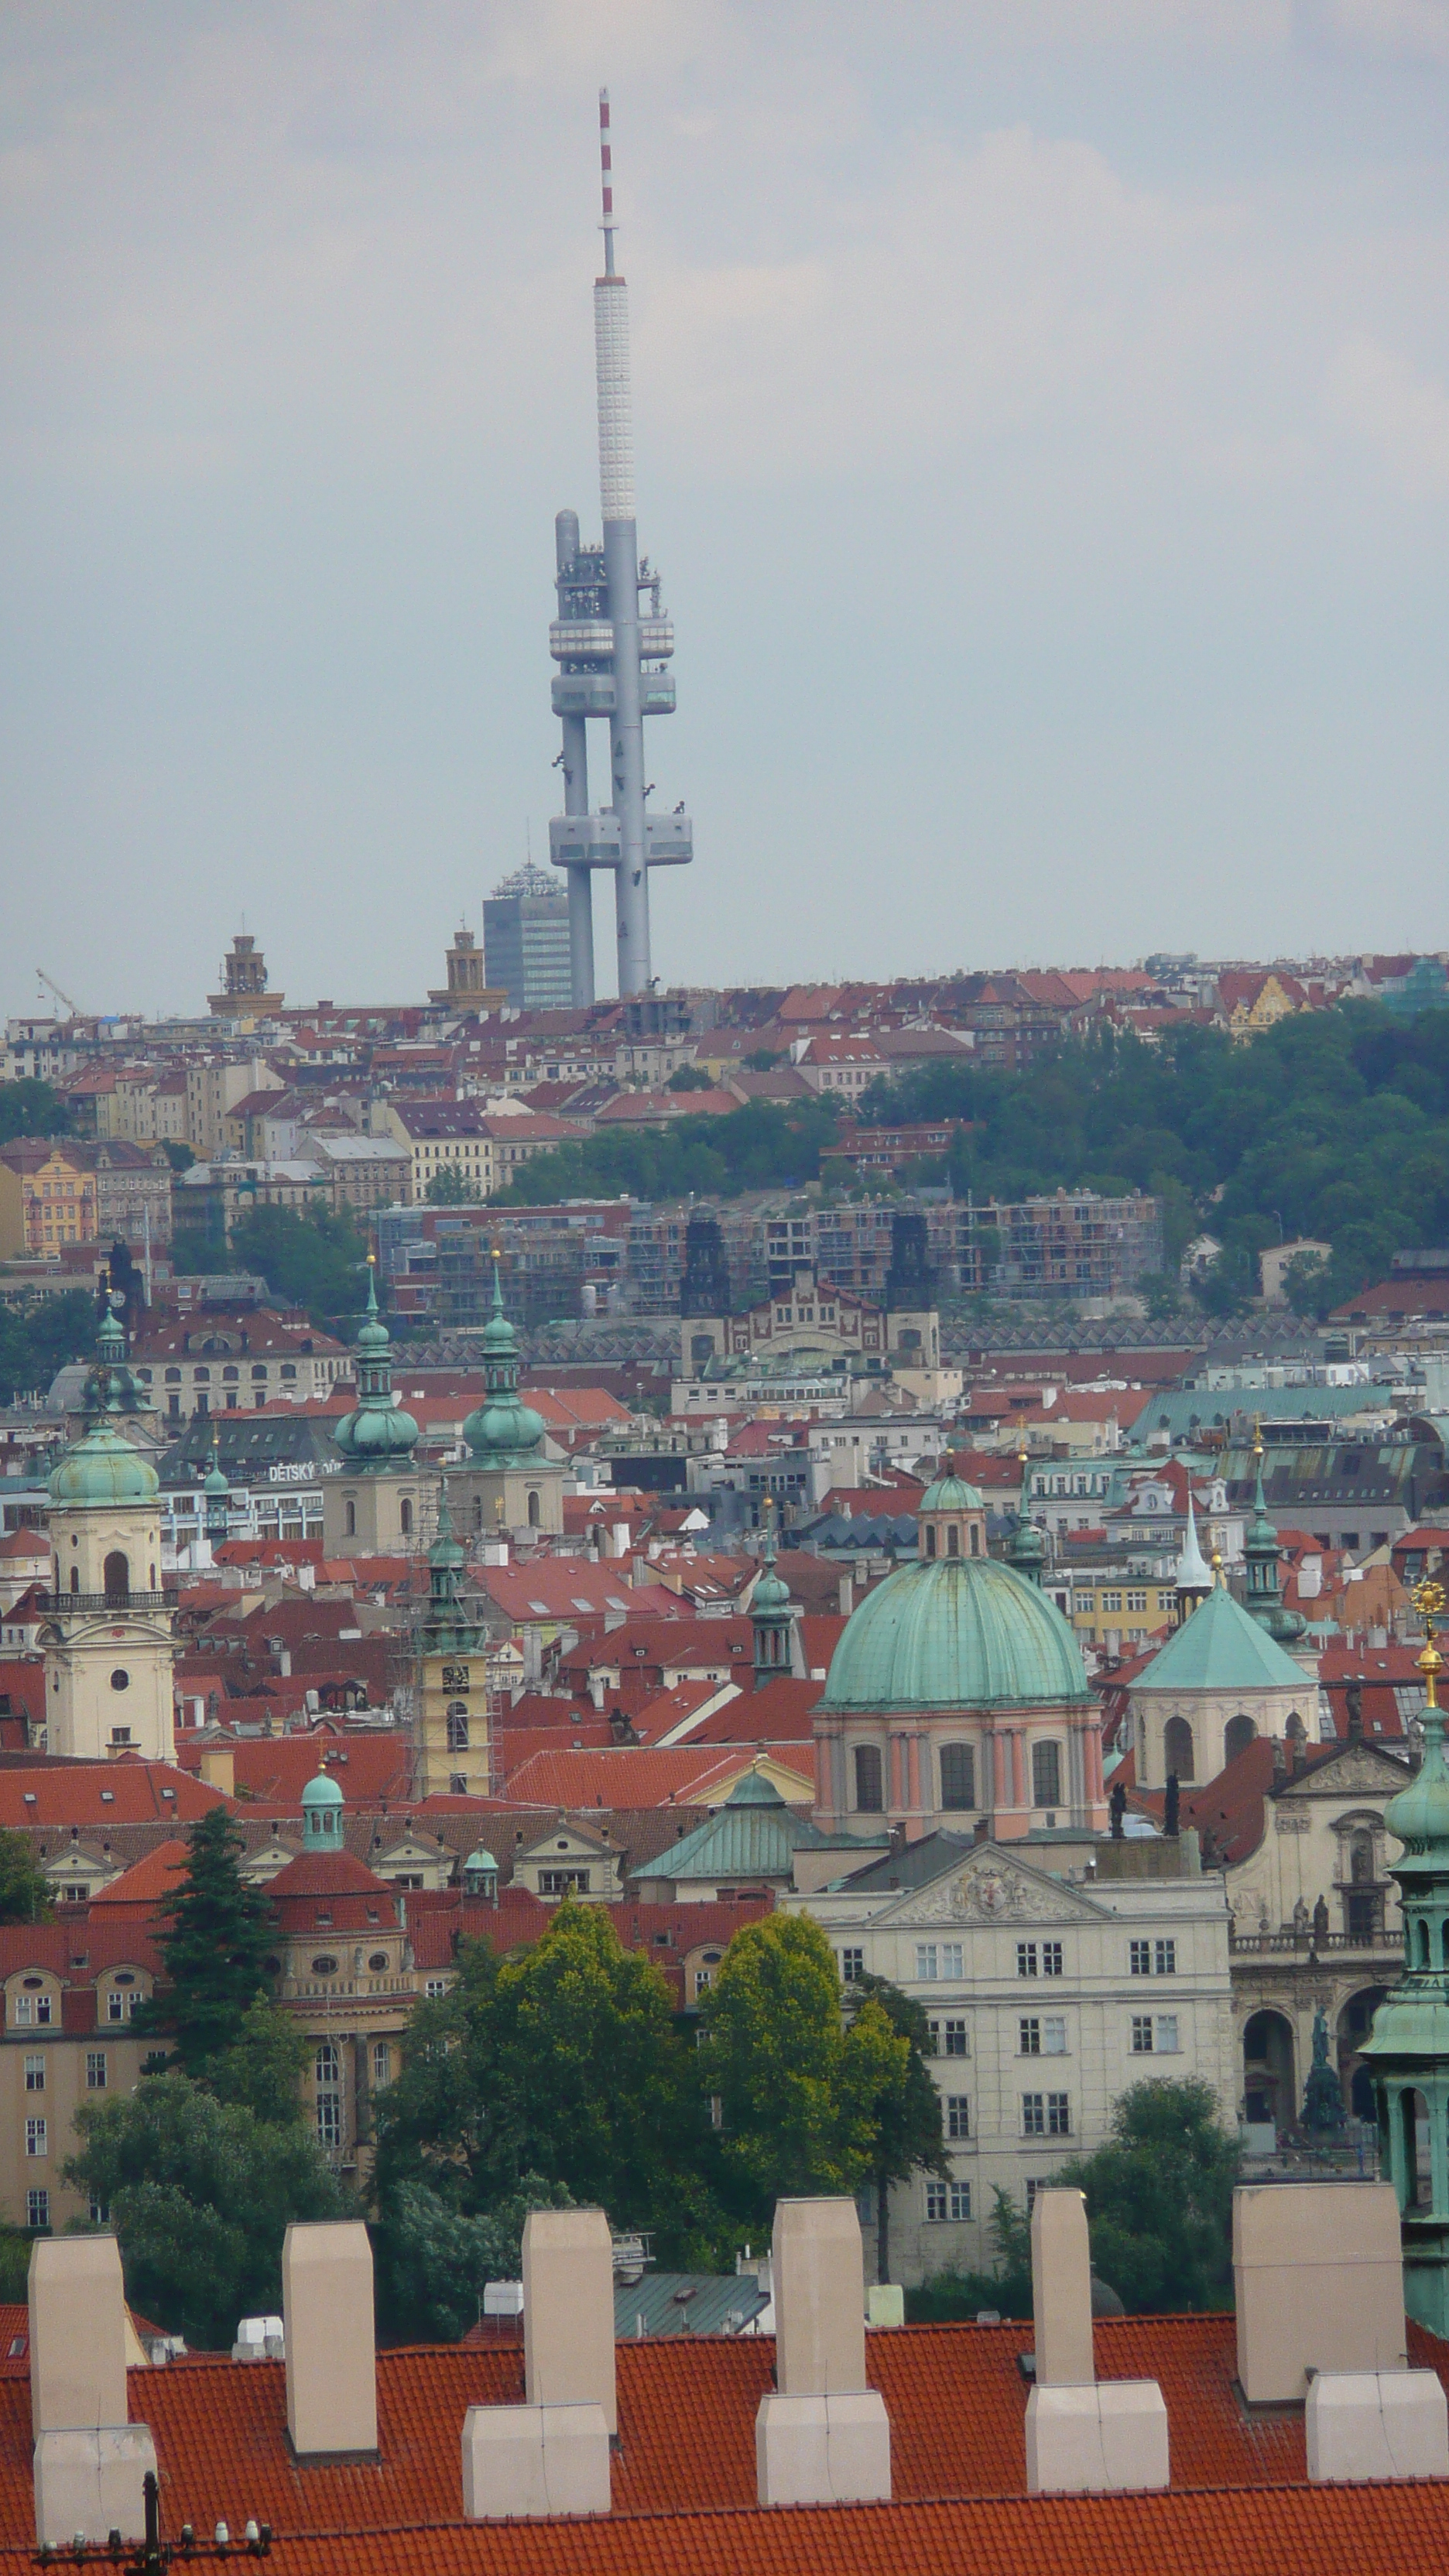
x: 103, y: 1468
x: 955, y: 1632
x: 379, y: 1434
x: 503, y: 1428
x: 949, y: 1494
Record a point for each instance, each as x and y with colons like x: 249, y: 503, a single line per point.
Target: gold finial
x: 1429, y: 1601
x: 1257, y: 1435
x: 372, y: 1261
x: 1219, y: 1571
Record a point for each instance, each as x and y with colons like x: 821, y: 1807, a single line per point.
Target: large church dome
x: 954, y: 1633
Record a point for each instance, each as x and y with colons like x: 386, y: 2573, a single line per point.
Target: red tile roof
x: 61, y: 1794
x: 686, y: 2449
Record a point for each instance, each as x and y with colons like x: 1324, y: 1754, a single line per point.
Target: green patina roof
x: 955, y: 1632
x: 692, y: 2303
x: 950, y: 1494
x: 104, y: 1467
x: 1220, y: 1648
x: 754, y: 1835
x: 322, y: 1791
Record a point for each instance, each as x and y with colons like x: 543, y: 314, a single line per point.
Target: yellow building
x: 47, y: 1198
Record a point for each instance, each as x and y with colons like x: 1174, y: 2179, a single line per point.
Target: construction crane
x: 51, y: 986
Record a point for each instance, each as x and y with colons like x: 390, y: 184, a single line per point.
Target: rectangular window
x: 959, y: 2196
x: 954, y: 2034
x: 1136, y: 1600
x: 100, y: 2214
x: 43, y: 2008
x: 1140, y: 1958
x: 869, y: 1791
x: 115, y: 2007
x: 1051, y: 1958
x: 37, y: 2209
x: 35, y: 2075
x: 1026, y: 1958
x: 1167, y: 2035
x: 935, y: 1959
x: 20, y: 2011
x: 852, y: 1967
x: 1028, y: 2036
x: 435, y: 1986
x: 1054, y: 2036
x: 1033, y: 2115
x: 1111, y: 1601
x: 1046, y: 1775
x: 951, y: 1952
x: 935, y: 2200
x: 1059, y: 2116
x: 329, y: 2119
x: 958, y: 2116
x: 1034, y: 2184
x: 1164, y: 1959
x: 381, y: 2062
x: 1142, y: 2034
x: 36, y: 2138
x: 958, y: 1777
x: 95, y: 2070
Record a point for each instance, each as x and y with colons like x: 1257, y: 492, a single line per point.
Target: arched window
x: 1423, y: 1945
x: 975, y: 1540
x: 405, y: 1516
x: 869, y: 1797
x: 117, y: 1575
x: 1046, y: 1775
x: 477, y: 1511
x: 349, y: 1518
x: 931, y: 1538
x: 958, y: 1776
x: 1238, y: 1733
x: 1361, y: 1860
x: 75, y: 1578
x: 533, y: 1508
x: 953, y: 1539
x: 1178, y: 1750
x: 458, y: 1726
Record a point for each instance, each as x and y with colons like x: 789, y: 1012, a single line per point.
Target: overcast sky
x: 1042, y: 420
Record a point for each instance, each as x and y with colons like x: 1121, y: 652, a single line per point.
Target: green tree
x: 689, y: 1077
x: 200, y: 2193
x: 1308, y: 1284
x: 801, y: 2092
x: 564, y: 2062
x: 1160, y: 2199
x: 435, y: 2261
x: 313, y: 1260
x: 451, y: 1187
x: 30, y: 1108
x: 24, y: 1894
x: 907, y: 2112
x: 41, y: 1336
x: 214, y: 1949
x: 261, y: 2070
x: 178, y: 1155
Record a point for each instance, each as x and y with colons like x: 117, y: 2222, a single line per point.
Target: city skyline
x: 1064, y: 394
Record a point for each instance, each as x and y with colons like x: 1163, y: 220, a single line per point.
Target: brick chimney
x: 331, y: 2353
x: 90, y: 2463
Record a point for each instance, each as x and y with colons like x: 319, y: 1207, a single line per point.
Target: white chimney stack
x: 551, y: 2456
x: 1081, y: 2438
x: 1319, y: 2283
x: 327, y: 2320
x: 90, y: 2463
x: 824, y: 2436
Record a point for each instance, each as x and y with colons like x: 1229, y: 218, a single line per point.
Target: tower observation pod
x: 611, y: 663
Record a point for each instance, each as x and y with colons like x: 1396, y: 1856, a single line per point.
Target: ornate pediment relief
x: 991, y: 1889
x: 1355, y: 1768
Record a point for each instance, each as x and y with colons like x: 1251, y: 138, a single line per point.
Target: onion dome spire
x: 379, y: 1435
x: 502, y: 1428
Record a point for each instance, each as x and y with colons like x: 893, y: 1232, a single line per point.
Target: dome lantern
x: 951, y: 1519
x: 322, y: 1814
